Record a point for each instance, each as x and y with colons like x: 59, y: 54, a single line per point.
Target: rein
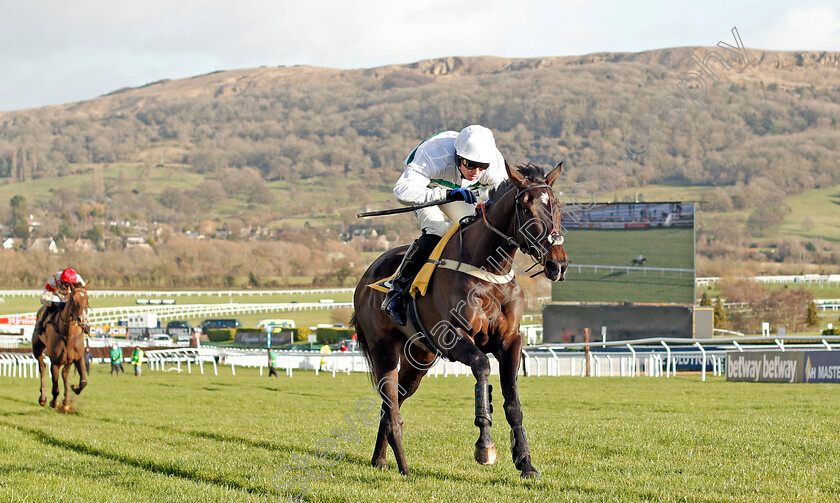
x: 70, y: 318
x: 555, y: 237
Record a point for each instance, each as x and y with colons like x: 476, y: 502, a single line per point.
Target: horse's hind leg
x: 390, y: 426
x: 508, y: 367
x: 412, y: 370
x: 83, y: 380
x: 466, y: 352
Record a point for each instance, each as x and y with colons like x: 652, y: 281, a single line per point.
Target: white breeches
x: 438, y: 219
x: 49, y: 298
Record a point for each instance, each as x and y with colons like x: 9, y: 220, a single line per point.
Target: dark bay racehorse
x: 63, y: 340
x: 467, y: 317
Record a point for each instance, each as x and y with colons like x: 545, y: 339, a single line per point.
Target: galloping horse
x: 470, y: 316
x: 63, y: 340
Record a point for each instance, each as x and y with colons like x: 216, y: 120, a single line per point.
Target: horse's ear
x: 552, y: 176
x: 515, y: 176
x: 87, y: 285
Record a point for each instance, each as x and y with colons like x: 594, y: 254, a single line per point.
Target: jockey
x: 55, y: 295
x: 460, y: 167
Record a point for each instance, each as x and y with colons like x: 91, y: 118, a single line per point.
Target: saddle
x: 420, y: 285
x: 421, y: 281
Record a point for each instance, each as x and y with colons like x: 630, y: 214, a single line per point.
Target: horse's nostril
x: 551, y: 269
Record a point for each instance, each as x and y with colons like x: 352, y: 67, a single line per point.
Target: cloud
x: 814, y: 28
x: 55, y: 52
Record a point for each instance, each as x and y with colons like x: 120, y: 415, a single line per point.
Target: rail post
x: 632, y: 366
x: 703, y: 361
x: 668, y: 361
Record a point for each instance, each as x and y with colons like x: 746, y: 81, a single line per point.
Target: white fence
x: 22, y: 365
x: 178, y: 293
x: 111, y: 315
x: 628, y: 269
x: 651, y: 357
x: 821, y: 280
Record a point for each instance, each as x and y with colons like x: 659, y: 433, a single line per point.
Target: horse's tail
x: 363, y: 346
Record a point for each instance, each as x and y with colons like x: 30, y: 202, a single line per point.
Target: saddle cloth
x: 421, y: 281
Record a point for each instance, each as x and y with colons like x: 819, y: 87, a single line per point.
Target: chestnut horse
x: 468, y: 317
x: 63, y: 340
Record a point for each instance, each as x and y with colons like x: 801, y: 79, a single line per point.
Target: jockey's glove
x: 461, y: 194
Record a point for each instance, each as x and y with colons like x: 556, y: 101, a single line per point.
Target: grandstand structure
x: 632, y: 216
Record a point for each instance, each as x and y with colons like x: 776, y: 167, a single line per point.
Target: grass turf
x: 167, y: 437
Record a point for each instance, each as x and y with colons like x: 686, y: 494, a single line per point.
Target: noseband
x: 555, y: 237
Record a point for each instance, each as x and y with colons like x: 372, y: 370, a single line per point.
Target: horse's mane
x: 530, y: 171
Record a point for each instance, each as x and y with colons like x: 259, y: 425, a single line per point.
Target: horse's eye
x: 528, y: 211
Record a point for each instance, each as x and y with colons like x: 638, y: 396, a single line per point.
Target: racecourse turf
x: 170, y: 437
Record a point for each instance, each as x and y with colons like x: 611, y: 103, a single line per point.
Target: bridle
x: 78, y: 319
x: 555, y: 236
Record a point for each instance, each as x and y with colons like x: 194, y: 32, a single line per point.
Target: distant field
x: 12, y: 305
x: 813, y: 215
x: 669, y: 248
x: 194, y: 438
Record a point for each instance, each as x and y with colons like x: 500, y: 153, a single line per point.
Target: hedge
x: 301, y: 333
x: 220, y: 334
x: 331, y: 335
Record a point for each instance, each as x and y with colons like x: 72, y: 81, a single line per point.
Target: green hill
x: 273, y: 150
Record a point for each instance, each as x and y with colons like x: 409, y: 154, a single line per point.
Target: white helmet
x: 115, y: 346
x: 475, y: 143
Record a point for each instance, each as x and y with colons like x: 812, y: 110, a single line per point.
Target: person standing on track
x: 137, y: 361
x: 116, y: 360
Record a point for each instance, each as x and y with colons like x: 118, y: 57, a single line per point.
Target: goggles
x: 474, y: 165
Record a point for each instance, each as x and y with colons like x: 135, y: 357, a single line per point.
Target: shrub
x: 220, y: 334
x: 331, y: 335
x: 301, y: 333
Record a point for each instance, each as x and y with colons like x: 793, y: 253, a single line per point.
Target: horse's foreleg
x: 65, y: 374
x: 80, y: 367
x: 466, y: 352
x: 42, y: 367
x: 54, y: 369
x: 509, y: 360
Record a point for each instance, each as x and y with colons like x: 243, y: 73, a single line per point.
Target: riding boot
x: 416, y: 255
x: 39, y: 322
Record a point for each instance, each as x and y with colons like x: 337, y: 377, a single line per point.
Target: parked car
x: 219, y: 323
x: 160, y: 340
x: 178, y: 327
x: 276, y: 325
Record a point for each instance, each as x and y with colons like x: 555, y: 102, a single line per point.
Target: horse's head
x: 77, y: 303
x: 538, y: 216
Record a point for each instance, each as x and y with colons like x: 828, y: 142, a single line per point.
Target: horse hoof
x: 530, y: 474
x: 76, y: 389
x: 42, y: 401
x: 485, y: 455
x: 52, y: 404
x: 65, y: 407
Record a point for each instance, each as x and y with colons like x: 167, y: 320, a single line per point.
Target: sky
x: 54, y: 51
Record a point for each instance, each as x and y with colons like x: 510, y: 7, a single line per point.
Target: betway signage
x: 783, y: 366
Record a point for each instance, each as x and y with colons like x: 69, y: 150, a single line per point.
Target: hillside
x: 277, y: 150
